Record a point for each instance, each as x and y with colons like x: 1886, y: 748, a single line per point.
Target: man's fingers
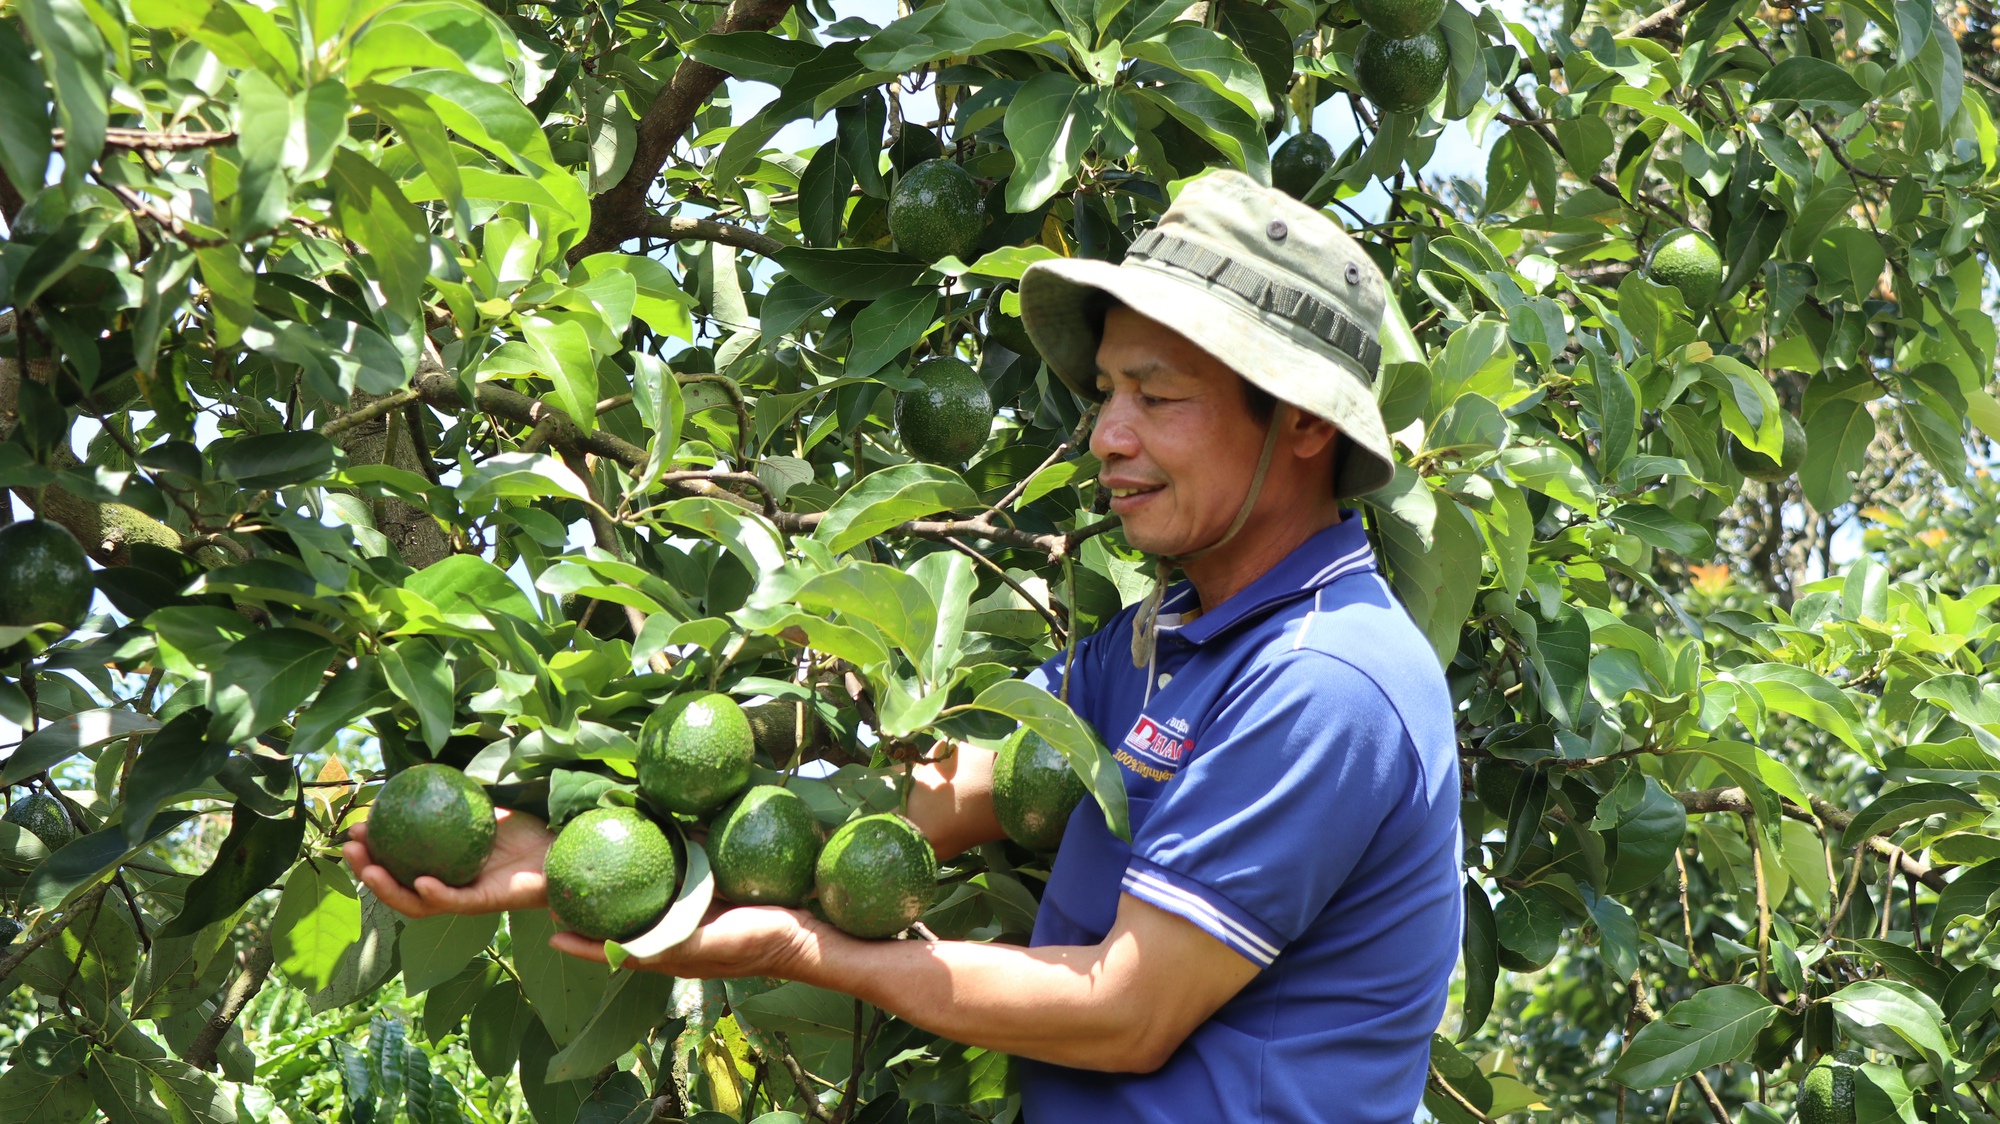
x: 394, y: 894
x: 580, y: 947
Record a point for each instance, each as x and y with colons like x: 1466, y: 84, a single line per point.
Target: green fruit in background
x: 1493, y: 781
x: 1034, y: 791
x: 876, y: 876
x: 1401, y: 75
x: 44, y: 578
x: 611, y: 874
x: 913, y: 146
x: 1757, y: 466
x: 1688, y: 260
x: 934, y: 212
x: 1399, y: 19
x: 692, y: 762
x: 1009, y: 332
x: 42, y: 816
x: 1299, y: 163
x: 1826, y: 1096
x: 764, y: 847
x: 950, y: 418
x: 431, y: 819
x: 774, y: 727
x: 9, y: 929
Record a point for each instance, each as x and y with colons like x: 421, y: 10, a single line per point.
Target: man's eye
x: 1150, y: 400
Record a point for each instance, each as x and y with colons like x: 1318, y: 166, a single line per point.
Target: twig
x: 85, y: 904
x: 201, y: 1052
x: 802, y: 1080
x: 1663, y: 24
x: 1597, y: 179
x: 1763, y: 900
x: 680, y: 228
x: 1076, y: 435
x: 117, y: 137
x: 1055, y: 624
x: 373, y: 410
x: 1441, y: 1085
x: 745, y: 430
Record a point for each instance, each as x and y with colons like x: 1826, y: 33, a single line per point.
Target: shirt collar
x: 1321, y: 560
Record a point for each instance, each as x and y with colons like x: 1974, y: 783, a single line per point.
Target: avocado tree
x: 468, y: 383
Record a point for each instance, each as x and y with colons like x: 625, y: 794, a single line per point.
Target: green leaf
x: 373, y: 211
x: 273, y: 460
x: 262, y: 678
x: 467, y: 583
x: 266, y: 118
x: 550, y: 1102
x: 1656, y: 526
x: 1050, y: 717
x: 496, y: 1026
x: 751, y: 56
x: 563, y: 989
x: 1211, y: 59
x: 1050, y: 122
x: 1481, y: 946
x: 1838, y: 431
x: 353, y: 693
x: 420, y: 675
x: 436, y: 949
x: 520, y: 476
x: 1811, y: 82
x: 1903, y: 805
x: 257, y: 850
x: 64, y: 737
x: 1848, y: 261
x: 564, y: 349
x: 1894, y: 1016
x: 1553, y: 471
x: 318, y: 920
x: 1562, y: 648
x: 179, y: 757
x: 1719, y: 1024
x: 801, y: 1009
x: 633, y: 1004
x: 1648, y: 835
x: 80, y: 865
x: 124, y: 1091
x: 73, y: 59
x: 851, y: 274
x: 883, y: 596
x: 1797, y: 691
x: 26, y: 1094
x: 964, y: 27
x: 889, y: 326
x: 24, y: 116
x: 891, y: 496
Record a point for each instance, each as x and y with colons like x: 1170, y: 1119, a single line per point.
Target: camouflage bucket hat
x: 1257, y: 279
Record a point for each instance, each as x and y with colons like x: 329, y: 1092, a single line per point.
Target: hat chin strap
x: 1146, y: 626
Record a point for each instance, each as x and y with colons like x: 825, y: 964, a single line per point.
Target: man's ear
x: 1310, y: 434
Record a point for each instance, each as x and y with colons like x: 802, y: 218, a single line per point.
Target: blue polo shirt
x: 1294, y: 790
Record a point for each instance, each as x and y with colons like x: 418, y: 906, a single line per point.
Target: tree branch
x: 1733, y: 799
x: 679, y: 228
x: 20, y: 953
x: 138, y: 139
x: 1598, y: 180
x: 620, y: 213
x: 201, y: 1052
x: 1665, y: 24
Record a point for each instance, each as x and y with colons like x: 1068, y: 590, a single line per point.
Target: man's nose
x: 1113, y: 435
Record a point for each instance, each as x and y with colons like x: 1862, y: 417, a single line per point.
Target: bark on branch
x: 1735, y: 800
x: 620, y: 213
x: 201, y: 1052
x: 85, y: 904
x: 678, y: 229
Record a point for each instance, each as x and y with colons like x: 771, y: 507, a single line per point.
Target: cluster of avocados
x: 612, y: 871
x: 1401, y: 59
x: 44, y: 580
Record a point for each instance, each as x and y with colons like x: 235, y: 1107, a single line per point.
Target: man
x: 1275, y: 942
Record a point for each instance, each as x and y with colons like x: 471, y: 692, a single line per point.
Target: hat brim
x: 1059, y: 309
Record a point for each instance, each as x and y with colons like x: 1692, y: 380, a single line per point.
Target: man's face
x: 1176, y: 437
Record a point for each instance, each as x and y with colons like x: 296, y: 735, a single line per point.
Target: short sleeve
x: 1290, y: 785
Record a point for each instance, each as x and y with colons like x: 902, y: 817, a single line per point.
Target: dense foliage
x: 459, y: 383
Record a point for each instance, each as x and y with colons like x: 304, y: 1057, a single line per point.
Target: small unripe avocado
x: 1757, y: 466
x: 1401, y: 75
x: 1826, y: 1096
x: 692, y: 762
x: 44, y: 579
x: 947, y: 420
x: 1399, y: 19
x: 431, y: 819
x: 1688, y: 260
x: 1299, y: 163
x: 610, y: 874
x: 934, y: 212
x: 876, y: 876
x: 42, y: 816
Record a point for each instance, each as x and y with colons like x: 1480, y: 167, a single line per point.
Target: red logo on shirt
x: 1149, y: 739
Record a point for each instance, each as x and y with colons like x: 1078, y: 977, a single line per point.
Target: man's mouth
x: 1125, y: 498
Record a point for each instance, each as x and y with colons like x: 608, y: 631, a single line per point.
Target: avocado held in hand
x: 693, y: 761
x: 431, y: 819
x: 764, y: 847
x: 876, y: 876
x: 1034, y: 791
x: 611, y: 874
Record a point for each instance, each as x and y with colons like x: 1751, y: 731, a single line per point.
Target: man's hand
x: 511, y: 879
x: 733, y: 941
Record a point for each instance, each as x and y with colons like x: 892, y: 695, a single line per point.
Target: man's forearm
x: 1053, y: 1004
x: 951, y: 801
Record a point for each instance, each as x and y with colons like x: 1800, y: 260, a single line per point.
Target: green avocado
x: 1688, y: 260
x: 42, y: 816
x: 764, y: 847
x: 1757, y: 466
x: 1034, y: 791
x: 1009, y: 332
x: 914, y: 146
x: 1399, y: 19
x: 876, y: 876
x: 610, y: 873
x: 1299, y: 163
x: 44, y: 578
x: 1826, y: 1096
x: 950, y: 418
x: 934, y: 212
x: 1493, y: 781
x: 774, y: 726
x: 1401, y: 75
x: 693, y: 761
x: 9, y: 929
x: 431, y: 819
